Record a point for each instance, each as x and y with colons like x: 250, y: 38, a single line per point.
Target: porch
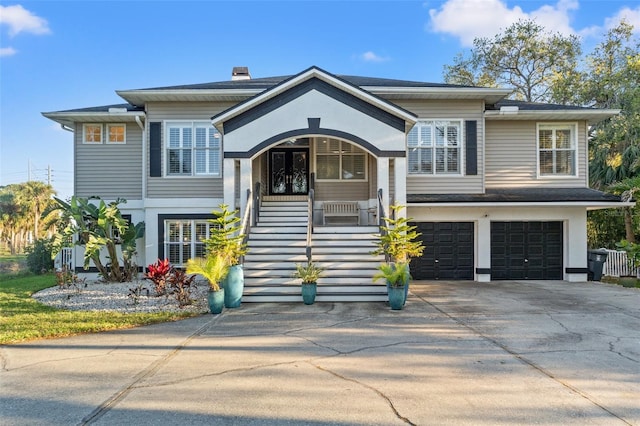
x: 281, y: 234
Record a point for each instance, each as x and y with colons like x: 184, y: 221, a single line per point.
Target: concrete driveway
x: 459, y: 353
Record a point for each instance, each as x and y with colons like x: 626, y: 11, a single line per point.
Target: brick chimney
x: 240, y: 73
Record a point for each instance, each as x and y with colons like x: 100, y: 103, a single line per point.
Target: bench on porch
x: 340, y: 209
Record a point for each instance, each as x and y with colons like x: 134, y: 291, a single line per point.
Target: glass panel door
x: 289, y: 171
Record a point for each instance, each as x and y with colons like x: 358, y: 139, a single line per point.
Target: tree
x: 614, y: 150
x: 36, y: 197
x: 627, y: 189
x: 539, y: 65
x: 13, y: 218
x: 614, y: 70
x: 98, y: 226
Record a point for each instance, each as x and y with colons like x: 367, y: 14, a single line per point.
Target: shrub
x: 159, y: 272
x: 39, y: 259
x: 181, y: 286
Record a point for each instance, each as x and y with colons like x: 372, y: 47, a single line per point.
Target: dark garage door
x: 448, y: 252
x: 526, y: 250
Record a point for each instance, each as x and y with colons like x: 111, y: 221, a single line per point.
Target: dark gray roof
x: 268, y: 82
x: 105, y: 108
x: 521, y: 195
x: 536, y: 106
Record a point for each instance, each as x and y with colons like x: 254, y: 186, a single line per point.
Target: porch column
x: 383, y: 181
x: 483, y: 249
x: 229, y: 178
x: 400, y: 182
x: 575, y: 243
x: 245, y: 182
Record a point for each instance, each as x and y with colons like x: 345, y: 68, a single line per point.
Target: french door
x: 289, y: 171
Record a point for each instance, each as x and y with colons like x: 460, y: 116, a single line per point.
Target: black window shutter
x: 471, y: 135
x: 155, y: 149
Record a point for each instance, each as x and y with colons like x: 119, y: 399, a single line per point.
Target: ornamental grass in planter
x: 309, y: 275
x: 214, y: 269
x: 399, y: 242
x: 227, y: 242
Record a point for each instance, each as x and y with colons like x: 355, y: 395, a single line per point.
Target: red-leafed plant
x: 181, y: 286
x: 159, y: 272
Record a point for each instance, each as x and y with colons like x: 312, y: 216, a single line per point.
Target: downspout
x: 67, y: 128
x: 139, y: 123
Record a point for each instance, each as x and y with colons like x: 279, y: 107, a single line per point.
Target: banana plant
x: 99, y: 226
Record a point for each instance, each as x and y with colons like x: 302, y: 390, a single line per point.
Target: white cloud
x: 372, y: 57
x: 468, y: 19
x: 631, y: 16
x: 7, y: 51
x: 18, y: 19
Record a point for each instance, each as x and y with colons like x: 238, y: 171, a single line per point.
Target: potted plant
x: 227, y: 242
x: 397, y: 276
x: 309, y: 275
x: 398, y: 241
x: 214, y: 269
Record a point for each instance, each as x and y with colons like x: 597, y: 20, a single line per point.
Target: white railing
x: 64, y: 259
x: 617, y: 265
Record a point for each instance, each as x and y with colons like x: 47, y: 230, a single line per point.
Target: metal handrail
x: 310, y: 225
x: 245, y: 228
x: 257, y: 201
x: 310, y: 203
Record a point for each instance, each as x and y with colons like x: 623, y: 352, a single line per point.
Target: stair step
x: 278, y: 207
x: 343, y: 237
x: 297, y: 298
x: 277, y: 227
x: 346, y: 230
x: 273, y: 258
x: 278, y: 237
x: 278, y: 249
x: 276, y: 244
x: 282, y: 219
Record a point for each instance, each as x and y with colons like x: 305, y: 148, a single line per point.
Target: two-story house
x: 498, y: 188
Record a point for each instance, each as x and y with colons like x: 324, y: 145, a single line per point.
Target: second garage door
x: 448, y: 251
x: 526, y: 250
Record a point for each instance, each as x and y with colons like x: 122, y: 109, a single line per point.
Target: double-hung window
x: 434, y: 147
x: 339, y: 160
x: 184, y: 239
x: 193, y: 148
x: 557, y: 153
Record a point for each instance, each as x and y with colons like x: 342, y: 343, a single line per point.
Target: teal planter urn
x: 309, y: 291
x: 396, y: 297
x: 216, y: 301
x: 233, y: 285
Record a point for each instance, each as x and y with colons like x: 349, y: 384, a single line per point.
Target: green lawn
x: 23, y: 319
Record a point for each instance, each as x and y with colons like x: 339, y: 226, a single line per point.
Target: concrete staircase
x: 278, y: 242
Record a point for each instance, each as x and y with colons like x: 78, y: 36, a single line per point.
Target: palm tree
x: 36, y: 197
x: 13, y: 218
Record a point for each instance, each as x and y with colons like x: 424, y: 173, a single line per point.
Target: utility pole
x: 49, y: 174
x: 29, y: 171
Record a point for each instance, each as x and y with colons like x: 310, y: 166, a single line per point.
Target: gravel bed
x: 101, y: 296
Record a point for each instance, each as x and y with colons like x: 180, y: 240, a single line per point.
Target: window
x: 193, y: 148
x: 434, y: 147
x: 184, y: 239
x: 116, y: 133
x: 557, y: 149
x: 339, y: 160
x: 92, y: 133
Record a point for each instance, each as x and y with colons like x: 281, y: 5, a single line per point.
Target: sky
x: 57, y: 55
